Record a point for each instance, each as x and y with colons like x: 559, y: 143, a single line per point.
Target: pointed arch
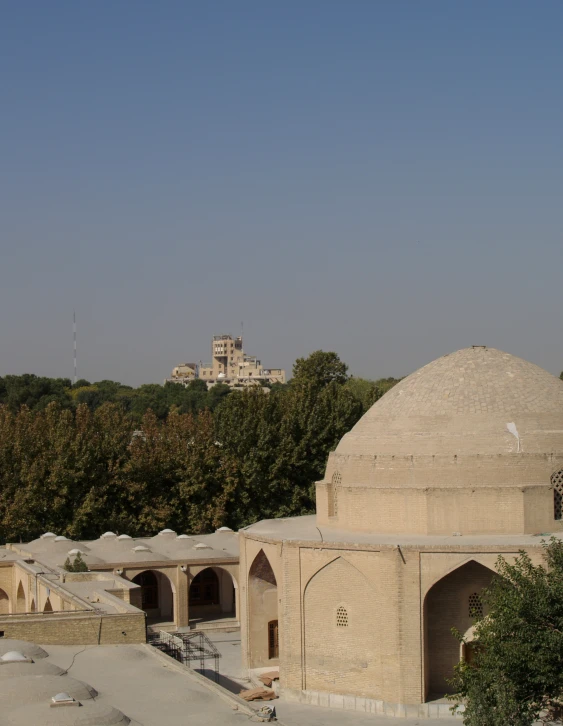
x: 4, y: 602
x: 262, y: 569
x: 451, y: 602
x: 262, y: 613
x: 48, y: 608
x: 32, y: 606
x: 20, y: 599
x: 339, y: 603
x: 457, y: 566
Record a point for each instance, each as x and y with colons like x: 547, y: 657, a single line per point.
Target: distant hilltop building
x: 229, y: 365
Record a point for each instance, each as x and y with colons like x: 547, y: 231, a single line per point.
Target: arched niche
x: 157, y: 597
x: 20, y: 599
x: 340, y: 631
x: 48, y: 608
x: 262, y: 612
x: 4, y: 603
x: 452, y: 602
x: 212, y: 593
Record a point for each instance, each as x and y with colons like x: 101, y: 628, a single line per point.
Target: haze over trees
x: 79, y: 460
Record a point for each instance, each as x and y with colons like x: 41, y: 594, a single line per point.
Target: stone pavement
x: 296, y: 714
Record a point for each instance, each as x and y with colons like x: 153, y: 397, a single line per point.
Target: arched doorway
x: 204, y: 590
x: 48, y: 607
x: 262, y: 613
x: 4, y: 603
x: 157, y: 599
x: 453, y: 602
x: 20, y: 599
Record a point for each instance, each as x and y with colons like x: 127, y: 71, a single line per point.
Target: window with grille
x: 273, y: 639
x: 557, y: 483
x: 341, y: 617
x: 333, y: 494
x: 475, y: 606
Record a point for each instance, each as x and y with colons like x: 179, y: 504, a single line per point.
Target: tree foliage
x: 79, y: 460
x: 516, y: 674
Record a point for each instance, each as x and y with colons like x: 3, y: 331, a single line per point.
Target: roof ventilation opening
x: 224, y: 529
x: 183, y: 536
x: 107, y: 535
x: 202, y: 546
x: 124, y: 536
x: 167, y: 531
x: 63, y: 699
x: 14, y: 656
x: 141, y: 548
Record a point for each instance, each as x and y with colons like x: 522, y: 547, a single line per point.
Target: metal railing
x: 186, y: 648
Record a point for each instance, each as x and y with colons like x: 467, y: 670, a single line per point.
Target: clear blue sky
x: 379, y: 178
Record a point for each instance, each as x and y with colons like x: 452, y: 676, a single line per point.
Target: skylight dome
x: 141, y: 548
x: 60, y: 538
x: 15, y: 656
x: 183, y: 536
x: 75, y: 552
x: 167, y: 531
x: 47, y: 535
x: 202, y: 546
x: 124, y: 536
x: 108, y: 534
x: 224, y: 529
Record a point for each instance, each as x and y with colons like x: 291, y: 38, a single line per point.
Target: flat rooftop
x: 305, y: 529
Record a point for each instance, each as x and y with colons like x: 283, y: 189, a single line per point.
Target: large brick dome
x: 477, y: 400
x: 468, y: 443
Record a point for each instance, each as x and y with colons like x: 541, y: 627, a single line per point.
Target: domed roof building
x: 459, y: 462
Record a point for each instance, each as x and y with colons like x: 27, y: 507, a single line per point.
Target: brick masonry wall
x: 76, y: 629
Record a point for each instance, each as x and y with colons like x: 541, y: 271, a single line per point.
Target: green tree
x: 516, y: 674
x: 319, y: 369
x: 364, y: 391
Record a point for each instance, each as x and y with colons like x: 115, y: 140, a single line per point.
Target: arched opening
x: 4, y: 603
x: 204, y: 589
x: 48, y: 608
x: 157, y: 598
x: 211, y: 595
x: 32, y: 607
x: 262, y: 613
x: 453, y: 602
x: 20, y: 599
x: 557, y: 484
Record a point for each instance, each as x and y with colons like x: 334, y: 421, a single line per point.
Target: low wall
x: 76, y: 629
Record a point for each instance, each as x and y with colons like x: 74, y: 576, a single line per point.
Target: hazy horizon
x: 379, y: 179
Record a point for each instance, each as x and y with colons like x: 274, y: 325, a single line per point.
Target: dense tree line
x: 79, y: 460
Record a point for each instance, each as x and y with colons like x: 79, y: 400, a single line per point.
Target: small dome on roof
x: 124, y: 536
x: 183, y: 536
x: 202, y: 546
x: 15, y: 656
x: 22, y: 646
x: 108, y: 534
x: 141, y: 548
x: 18, y: 668
x: 224, y: 529
x: 75, y: 552
x: 61, y: 538
x: 29, y: 688
x: 47, y: 535
x: 167, y: 531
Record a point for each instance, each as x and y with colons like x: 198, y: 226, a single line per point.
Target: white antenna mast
x: 74, y: 340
